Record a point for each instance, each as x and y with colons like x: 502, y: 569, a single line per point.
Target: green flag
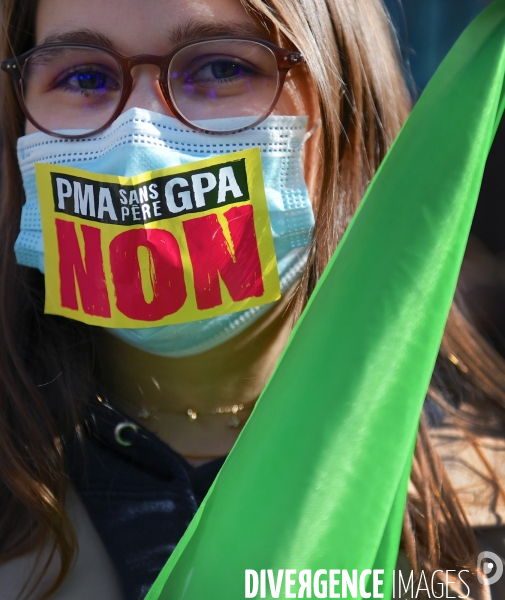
x: 318, y: 477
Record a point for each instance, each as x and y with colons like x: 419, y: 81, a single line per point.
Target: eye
x: 225, y: 69
x: 88, y: 79
x: 219, y: 70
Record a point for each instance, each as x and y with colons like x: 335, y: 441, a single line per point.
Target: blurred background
x: 427, y: 29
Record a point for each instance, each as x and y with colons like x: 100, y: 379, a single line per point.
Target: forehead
x: 144, y: 26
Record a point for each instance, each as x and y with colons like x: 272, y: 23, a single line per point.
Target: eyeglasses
x: 212, y: 85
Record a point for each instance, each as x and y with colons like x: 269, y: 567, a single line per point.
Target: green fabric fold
x: 318, y: 477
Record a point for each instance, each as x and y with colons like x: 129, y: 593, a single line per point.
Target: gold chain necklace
x: 192, y: 414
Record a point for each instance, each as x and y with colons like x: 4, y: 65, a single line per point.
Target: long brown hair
x: 46, y: 362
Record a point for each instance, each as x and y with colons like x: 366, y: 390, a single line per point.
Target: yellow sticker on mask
x: 167, y: 246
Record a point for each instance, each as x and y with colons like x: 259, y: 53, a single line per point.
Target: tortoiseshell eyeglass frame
x: 286, y: 60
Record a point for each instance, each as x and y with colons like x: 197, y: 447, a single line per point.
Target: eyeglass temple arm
x: 291, y: 60
x: 12, y: 67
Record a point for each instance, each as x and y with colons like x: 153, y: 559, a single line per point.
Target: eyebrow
x: 187, y: 32
x: 78, y: 36
x: 194, y: 30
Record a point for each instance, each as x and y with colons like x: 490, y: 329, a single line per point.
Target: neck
x: 163, y: 389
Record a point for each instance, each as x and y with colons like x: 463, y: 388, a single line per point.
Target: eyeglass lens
x: 209, y: 82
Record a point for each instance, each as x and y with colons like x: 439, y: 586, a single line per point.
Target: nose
x: 146, y: 91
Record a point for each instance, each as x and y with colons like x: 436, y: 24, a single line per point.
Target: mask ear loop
x: 312, y: 130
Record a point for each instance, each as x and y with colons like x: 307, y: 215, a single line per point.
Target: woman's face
x: 133, y: 27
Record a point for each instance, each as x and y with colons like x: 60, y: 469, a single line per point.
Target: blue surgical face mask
x: 140, y: 141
